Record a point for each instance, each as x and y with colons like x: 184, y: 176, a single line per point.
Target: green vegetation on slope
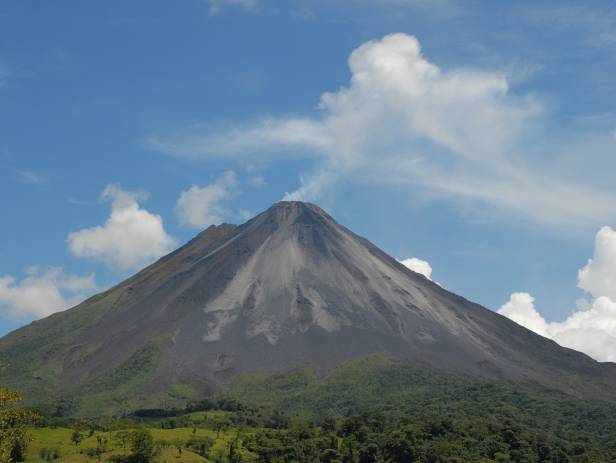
x: 43, y: 347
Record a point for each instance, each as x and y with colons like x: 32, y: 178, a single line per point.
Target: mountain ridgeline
x: 288, y: 289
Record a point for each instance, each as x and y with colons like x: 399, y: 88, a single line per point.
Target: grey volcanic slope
x: 288, y: 288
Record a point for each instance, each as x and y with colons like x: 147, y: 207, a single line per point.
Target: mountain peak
x: 286, y: 211
x: 288, y: 288
x: 293, y: 205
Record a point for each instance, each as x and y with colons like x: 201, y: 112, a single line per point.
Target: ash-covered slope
x: 290, y: 287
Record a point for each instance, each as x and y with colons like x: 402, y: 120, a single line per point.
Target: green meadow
x: 172, y: 445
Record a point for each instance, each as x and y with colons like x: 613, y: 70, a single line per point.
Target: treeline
x: 208, y: 404
x: 483, y: 424
x: 375, y: 438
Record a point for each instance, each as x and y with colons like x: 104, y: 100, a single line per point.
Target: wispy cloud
x: 217, y: 5
x: 440, y: 8
x: 596, y: 24
x: 31, y: 177
x: 258, y: 181
x: 304, y: 13
x: 460, y: 134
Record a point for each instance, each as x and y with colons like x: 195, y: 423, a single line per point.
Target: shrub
x: 49, y: 454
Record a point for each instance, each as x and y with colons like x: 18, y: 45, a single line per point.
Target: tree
x: 234, y: 455
x: 220, y: 424
x: 369, y: 453
x: 122, y: 437
x: 76, y: 437
x: 330, y: 456
x: 49, y: 454
x: 142, y: 446
x: 13, y: 421
x: 201, y: 445
x: 101, y: 446
x: 398, y: 449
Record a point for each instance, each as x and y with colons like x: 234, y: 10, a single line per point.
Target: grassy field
x: 58, y: 441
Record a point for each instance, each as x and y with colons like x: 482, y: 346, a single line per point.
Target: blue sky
x: 478, y: 136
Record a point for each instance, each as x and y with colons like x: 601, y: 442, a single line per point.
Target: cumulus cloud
x: 217, y: 5
x: 130, y: 238
x: 201, y: 207
x: 592, y: 327
x: 521, y: 309
x: 591, y: 330
x: 598, y: 277
x: 460, y: 134
x: 43, y: 292
x: 419, y: 266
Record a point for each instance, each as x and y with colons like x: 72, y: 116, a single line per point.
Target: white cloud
x: 420, y: 266
x: 130, y: 238
x: 457, y: 133
x: 592, y: 327
x: 614, y: 135
x: 592, y: 331
x: 217, y: 5
x: 42, y: 293
x: 521, y: 309
x: 201, y: 207
x: 598, y: 277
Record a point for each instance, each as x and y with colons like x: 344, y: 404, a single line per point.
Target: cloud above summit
x: 462, y: 134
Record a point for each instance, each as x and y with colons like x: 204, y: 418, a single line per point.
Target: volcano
x: 289, y: 288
